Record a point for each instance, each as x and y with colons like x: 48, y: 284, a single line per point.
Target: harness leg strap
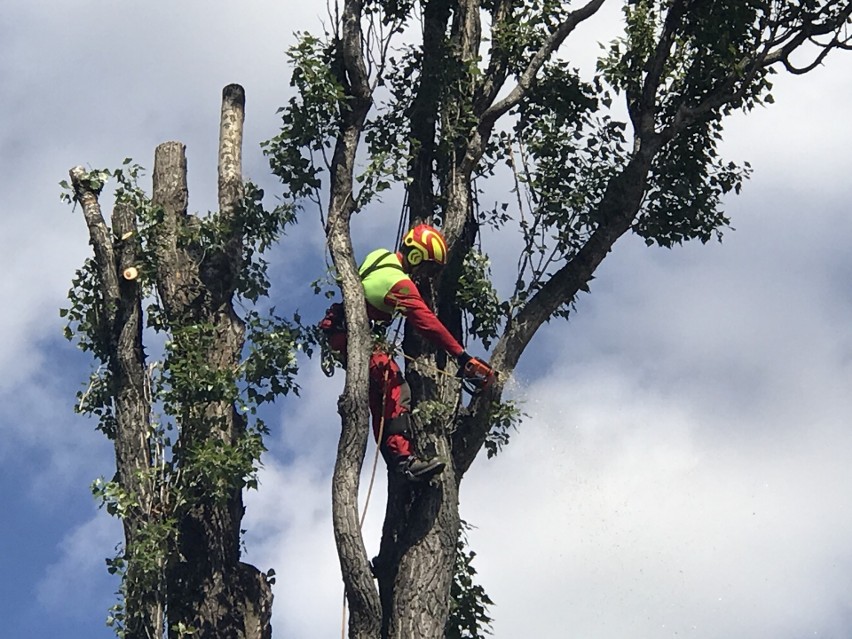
x: 399, y: 425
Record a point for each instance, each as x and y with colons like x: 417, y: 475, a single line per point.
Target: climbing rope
x: 471, y: 388
x: 399, y: 233
x: 376, y: 455
x: 379, y: 434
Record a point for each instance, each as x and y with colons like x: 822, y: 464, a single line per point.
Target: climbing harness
x: 379, y: 263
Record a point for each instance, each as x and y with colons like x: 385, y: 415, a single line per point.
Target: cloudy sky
x: 684, y: 470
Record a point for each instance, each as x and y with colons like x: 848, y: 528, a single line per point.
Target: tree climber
x: 389, y: 290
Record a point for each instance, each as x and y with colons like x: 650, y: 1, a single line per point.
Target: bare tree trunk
x: 203, y: 585
x: 210, y: 590
x: 121, y: 335
x: 361, y: 593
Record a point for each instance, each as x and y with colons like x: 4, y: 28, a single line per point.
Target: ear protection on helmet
x: 414, y: 255
x: 424, y: 242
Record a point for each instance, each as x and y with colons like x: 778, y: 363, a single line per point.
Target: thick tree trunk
x: 201, y: 585
x: 414, y: 566
x: 210, y: 590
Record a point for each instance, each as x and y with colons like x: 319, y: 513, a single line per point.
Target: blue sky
x: 684, y: 467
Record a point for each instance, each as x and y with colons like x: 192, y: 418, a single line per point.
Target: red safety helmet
x: 425, y: 243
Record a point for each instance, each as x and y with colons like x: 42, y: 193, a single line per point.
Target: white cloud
x: 41, y: 432
x: 290, y: 531
x: 73, y: 585
x: 802, y: 141
x: 636, y: 519
x: 289, y: 521
x: 692, y: 479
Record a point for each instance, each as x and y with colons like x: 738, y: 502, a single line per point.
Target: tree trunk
x: 200, y: 584
x: 210, y: 590
x: 121, y: 335
x: 418, y: 544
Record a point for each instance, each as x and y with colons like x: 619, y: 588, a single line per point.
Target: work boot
x: 415, y: 469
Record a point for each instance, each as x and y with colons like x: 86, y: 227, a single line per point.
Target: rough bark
x: 451, y: 126
x: 361, y: 594
x: 209, y: 588
x: 418, y: 540
x: 115, y: 251
x: 424, y: 111
x: 206, y: 587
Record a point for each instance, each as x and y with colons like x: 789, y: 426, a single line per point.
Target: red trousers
x: 390, y: 397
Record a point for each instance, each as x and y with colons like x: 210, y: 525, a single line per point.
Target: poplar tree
x: 452, y: 99
x: 184, y: 425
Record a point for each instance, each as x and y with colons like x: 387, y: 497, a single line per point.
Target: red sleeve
x: 405, y: 297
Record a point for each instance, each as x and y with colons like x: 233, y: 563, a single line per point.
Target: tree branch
x: 737, y: 83
x: 86, y: 192
x: 231, y: 150
x: 353, y: 53
x: 424, y: 112
x: 177, y: 277
x: 133, y: 432
x: 809, y: 32
x: 220, y: 271
x: 121, y: 329
x: 361, y: 593
x: 498, y: 59
x: 473, y: 153
x: 617, y: 209
x: 643, y: 113
x: 526, y: 79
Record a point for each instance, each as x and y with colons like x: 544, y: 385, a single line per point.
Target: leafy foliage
x: 310, y: 120
x: 477, y: 297
x: 469, y: 615
x: 569, y: 148
x: 685, y: 196
x: 270, y: 367
x: 389, y: 145
x: 184, y: 382
x: 84, y: 316
x: 504, y: 417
